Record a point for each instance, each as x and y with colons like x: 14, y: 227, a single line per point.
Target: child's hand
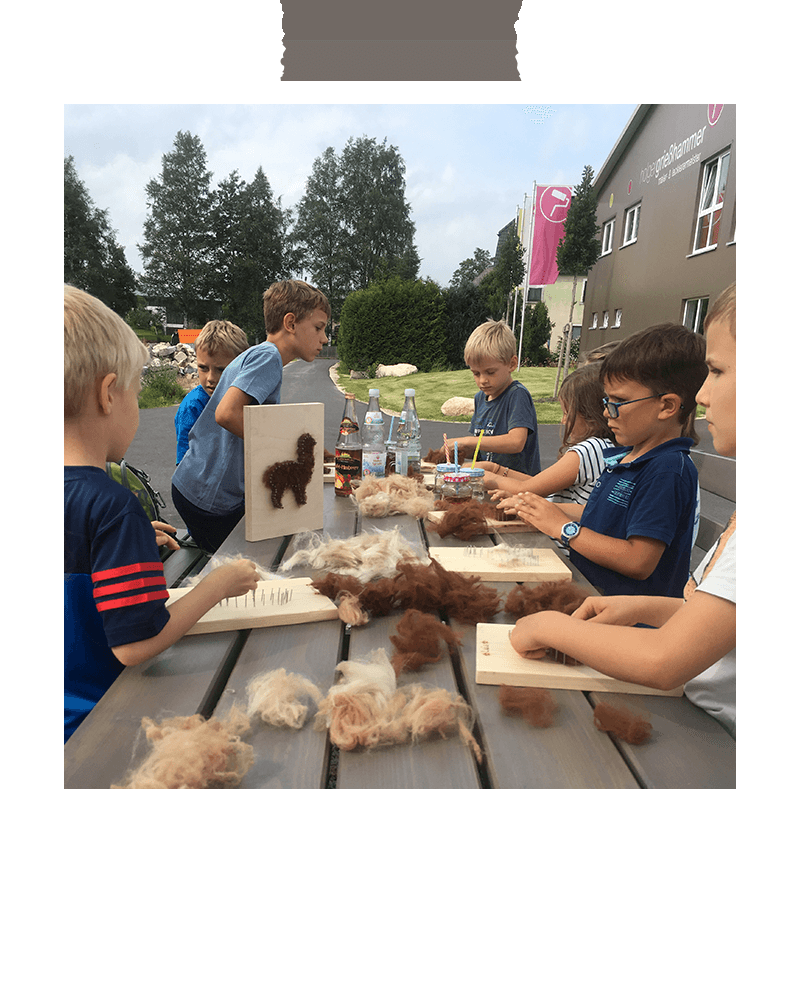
x: 540, y: 513
x: 234, y: 579
x: 499, y: 494
x: 525, y: 637
x: 163, y: 532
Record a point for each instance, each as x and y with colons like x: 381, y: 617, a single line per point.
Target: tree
x: 466, y: 307
x: 535, y: 334
x: 577, y: 251
x: 247, y: 225
x: 354, y: 223
x: 469, y: 270
x: 506, y: 276
x: 93, y: 260
x: 177, y: 249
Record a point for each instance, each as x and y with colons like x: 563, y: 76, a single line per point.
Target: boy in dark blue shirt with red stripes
x: 115, y: 594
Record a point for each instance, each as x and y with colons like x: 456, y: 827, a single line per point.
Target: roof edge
x: 620, y: 146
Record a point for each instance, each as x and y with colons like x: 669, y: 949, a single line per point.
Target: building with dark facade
x: 666, y: 212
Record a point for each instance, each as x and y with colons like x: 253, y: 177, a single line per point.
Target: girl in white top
x: 694, y: 642
x: 580, y: 459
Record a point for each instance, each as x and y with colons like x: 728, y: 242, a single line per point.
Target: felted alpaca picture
x: 283, y: 469
x: 293, y: 475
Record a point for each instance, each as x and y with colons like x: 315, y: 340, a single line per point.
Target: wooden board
x: 497, y: 662
x: 271, y: 433
x: 542, y: 565
x: 494, y: 526
x: 276, y: 602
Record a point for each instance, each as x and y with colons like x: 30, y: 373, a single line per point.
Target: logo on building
x: 714, y: 112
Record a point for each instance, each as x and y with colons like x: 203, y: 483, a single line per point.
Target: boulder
x: 358, y: 375
x: 458, y: 406
x: 398, y: 370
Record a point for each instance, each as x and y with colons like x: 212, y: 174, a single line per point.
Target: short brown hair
x: 96, y: 342
x: 666, y: 359
x: 291, y: 296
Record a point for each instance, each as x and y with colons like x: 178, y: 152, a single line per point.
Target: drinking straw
x: 477, y: 448
x: 455, y: 454
x: 391, y: 428
x: 446, y: 447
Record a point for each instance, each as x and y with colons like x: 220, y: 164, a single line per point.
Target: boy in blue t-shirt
x: 504, y: 409
x: 208, y: 484
x: 634, y: 535
x: 115, y: 594
x: 217, y: 345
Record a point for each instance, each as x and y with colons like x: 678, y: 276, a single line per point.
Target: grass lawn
x: 433, y: 389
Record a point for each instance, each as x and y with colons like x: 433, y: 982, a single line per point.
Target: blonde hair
x: 493, y: 340
x: 221, y: 337
x: 96, y: 342
x: 724, y: 309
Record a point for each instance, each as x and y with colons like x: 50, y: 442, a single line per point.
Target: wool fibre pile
x: 276, y: 698
x: 190, y: 752
x: 628, y: 725
x: 364, y: 557
x: 378, y: 497
x: 418, y: 640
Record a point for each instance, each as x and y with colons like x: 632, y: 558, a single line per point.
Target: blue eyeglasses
x: 613, y: 407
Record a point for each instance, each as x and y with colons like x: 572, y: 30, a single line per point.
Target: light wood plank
x: 534, y: 565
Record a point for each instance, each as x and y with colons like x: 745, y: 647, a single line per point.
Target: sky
x: 468, y: 166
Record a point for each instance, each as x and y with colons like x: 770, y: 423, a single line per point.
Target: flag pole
x: 527, y: 272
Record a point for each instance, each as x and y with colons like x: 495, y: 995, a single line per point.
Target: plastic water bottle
x: 409, y: 438
x: 373, y: 437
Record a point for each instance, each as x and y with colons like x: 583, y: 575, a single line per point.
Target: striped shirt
x: 592, y: 465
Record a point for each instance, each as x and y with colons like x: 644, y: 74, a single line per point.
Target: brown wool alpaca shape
x: 293, y: 475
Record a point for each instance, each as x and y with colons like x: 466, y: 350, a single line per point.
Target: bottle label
x: 347, y: 466
x: 374, y: 463
x: 347, y: 426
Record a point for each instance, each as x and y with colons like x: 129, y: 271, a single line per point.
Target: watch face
x: 570, y: 529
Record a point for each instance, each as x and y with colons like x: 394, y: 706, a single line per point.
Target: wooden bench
x: 188, y: 560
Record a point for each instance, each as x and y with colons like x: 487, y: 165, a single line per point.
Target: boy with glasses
x: 634, y: 535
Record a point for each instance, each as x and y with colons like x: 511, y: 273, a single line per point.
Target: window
x: 594, y: 320
x: 712, y: 196
x: 605, y: 319
x: 608, y: 237
x: 534, y: 294
x: 694, y: 313
x: 618, y: 317
x: 583, y: 291
x: 631, y: 229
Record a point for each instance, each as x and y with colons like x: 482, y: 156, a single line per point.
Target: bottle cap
x: 411, y: 391
x: 374, y: 390
x: 458, y: 479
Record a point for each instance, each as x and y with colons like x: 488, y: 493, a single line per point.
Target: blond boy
x: 115, y: 592
x: 504, y: 411
x: 217, y: 345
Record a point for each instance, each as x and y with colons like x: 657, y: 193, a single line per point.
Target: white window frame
x: 712, y: 197
x: 594, y: 320
x: 693, y: 313
x: 632, y: 216
x: 608, y: 238
x: 605, y: 319
x: 617, y: 317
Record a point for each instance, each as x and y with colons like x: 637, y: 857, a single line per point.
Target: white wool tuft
x: 275, y: 697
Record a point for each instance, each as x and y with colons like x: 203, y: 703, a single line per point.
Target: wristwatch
x: 568, y: 532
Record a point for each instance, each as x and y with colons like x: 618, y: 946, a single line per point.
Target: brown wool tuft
x: 628, y: 725
x: 533, y: 704
x: 559, y: 596
x: 463, y: 520
x: 418, y: 640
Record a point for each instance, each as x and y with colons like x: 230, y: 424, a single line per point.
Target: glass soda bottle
x: 347, y: 463
x: 374, y: 441
x: 409, y: 438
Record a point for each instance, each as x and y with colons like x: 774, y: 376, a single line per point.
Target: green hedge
x: 395, y: 321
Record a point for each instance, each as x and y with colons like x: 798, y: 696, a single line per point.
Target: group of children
x: 622, y: 497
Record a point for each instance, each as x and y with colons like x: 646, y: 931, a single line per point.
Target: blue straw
x: 391, y: 428
x: 455, y: 454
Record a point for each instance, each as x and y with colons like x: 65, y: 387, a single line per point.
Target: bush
x: 160, y: 387
x: 466, y: 307
x: 394, y: 321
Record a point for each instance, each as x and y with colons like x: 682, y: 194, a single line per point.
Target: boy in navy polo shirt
x: 115, y: 613
x: 504, y: 409
x: 634, y: 535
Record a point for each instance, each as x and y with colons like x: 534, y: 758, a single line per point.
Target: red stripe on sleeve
x: 127, y: 570
x: 128, y: 585
x: 139, y: 598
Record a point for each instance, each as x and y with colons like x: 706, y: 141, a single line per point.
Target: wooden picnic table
x: 208, y: 673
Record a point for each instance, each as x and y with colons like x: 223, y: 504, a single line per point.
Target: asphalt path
x: 153, y: 448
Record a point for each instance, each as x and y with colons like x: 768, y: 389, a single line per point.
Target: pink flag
x: 551, y: 205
